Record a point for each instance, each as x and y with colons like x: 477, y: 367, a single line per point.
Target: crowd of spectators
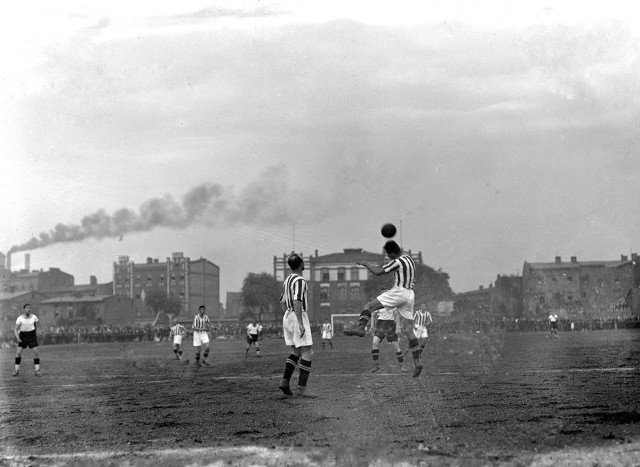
x: 136, y: 333
x: 148, y: 332
x: 531, y: 325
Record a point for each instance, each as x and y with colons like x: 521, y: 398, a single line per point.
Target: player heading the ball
x: 400, y: 296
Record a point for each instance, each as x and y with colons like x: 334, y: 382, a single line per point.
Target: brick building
x: 25, y: 279
x: 94, y: 309
x: 501, y: 300
x: 336, y: 284
x: 193, y: 282
x: 93, y: 288
x: 11, y: 304
x: 582, y: 289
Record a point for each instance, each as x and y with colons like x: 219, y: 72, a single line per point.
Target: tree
x: 261, y: 291
x: 158, y: 301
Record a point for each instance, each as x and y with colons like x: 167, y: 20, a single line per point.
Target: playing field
x: 483, y: 399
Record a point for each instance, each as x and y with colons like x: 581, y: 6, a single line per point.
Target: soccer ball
x: 388, y: 230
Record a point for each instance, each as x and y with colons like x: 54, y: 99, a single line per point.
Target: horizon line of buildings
x: 575, y: 289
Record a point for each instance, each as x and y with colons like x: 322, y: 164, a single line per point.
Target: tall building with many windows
x: 193, y: 282
x: 336, y: 284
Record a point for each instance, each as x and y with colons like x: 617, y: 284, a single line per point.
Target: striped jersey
x: 295, y: 288
x: 178, y: 330
x: 421, y: 318
x: 404, y: 270
x: 201, y: 323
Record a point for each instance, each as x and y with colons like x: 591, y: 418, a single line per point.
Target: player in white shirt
x: 178, y: 332
x: 422, y: 319
x: 327, y: 334
x: 253, y: 337
x: 25, y: 332
x: 553, y: 324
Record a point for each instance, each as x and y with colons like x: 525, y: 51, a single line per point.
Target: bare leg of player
x: 414, y: 344
x: 365, y: 317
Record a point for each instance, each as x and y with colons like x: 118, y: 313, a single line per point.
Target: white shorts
x: 326, y: 335
x: 292, y: 330
x: 177, y: 340
x: 420, y: 332
x: 399, y: 298
x: 199, y: 338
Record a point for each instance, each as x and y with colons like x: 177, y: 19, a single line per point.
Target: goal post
x: 340, y: 321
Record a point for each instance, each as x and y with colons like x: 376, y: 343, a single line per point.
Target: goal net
x: 341, y: 321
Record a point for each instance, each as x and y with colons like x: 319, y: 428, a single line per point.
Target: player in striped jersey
x: 178, y: 332
x: 421, y: 320
x: 201, y: 326
x: 400, y: 296
x: 297, y: 331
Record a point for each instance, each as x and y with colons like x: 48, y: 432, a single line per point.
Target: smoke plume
x: 265, y: 200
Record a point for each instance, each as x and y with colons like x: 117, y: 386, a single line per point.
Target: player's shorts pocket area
x: 386, y: 329
x: 28, y: 340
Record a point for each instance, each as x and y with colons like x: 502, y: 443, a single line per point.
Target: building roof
x: 76, y: 288
x: 20, y: 293
x: 577, y: 264
x: 70, y: 299
x: 25, y: 274
x: 349, y: 255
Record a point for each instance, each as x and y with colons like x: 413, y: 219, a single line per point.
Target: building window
x: 324, y: 294
x: 342, y: 292
x: 325, y: 275
x: 341, y: 275
x: 355, y: 274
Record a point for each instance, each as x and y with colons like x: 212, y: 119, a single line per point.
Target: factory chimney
x: 27, y: 262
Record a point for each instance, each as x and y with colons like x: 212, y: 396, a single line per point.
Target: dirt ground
x: 483, y: 399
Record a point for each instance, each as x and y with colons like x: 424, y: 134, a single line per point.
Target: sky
x: 238, y: 131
